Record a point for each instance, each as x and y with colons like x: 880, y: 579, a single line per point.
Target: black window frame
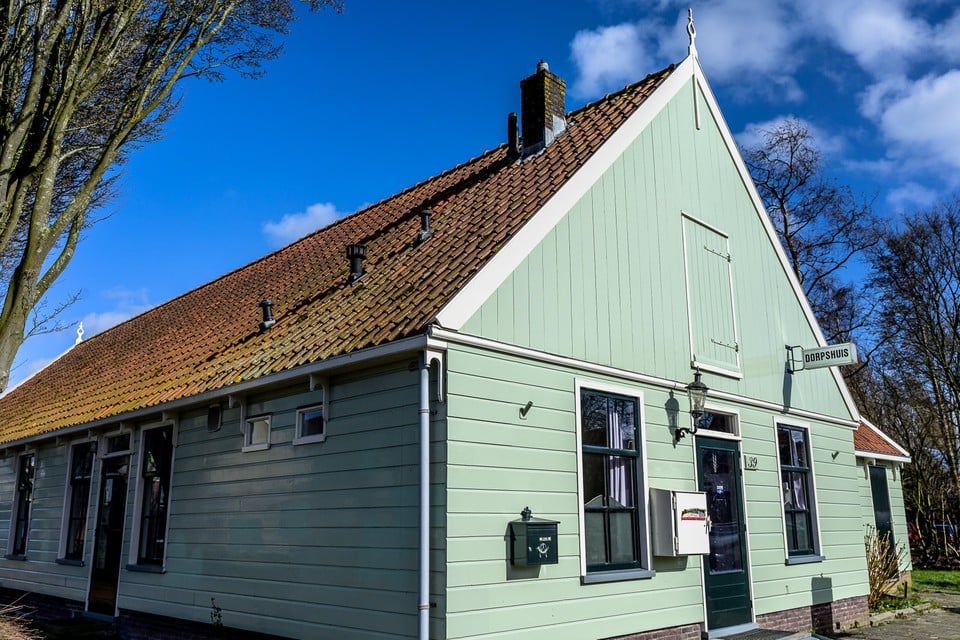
x: 792, y: 470
x: 156, y: 463
x: 82, y: 455
x: 610, y: 568
x: 23, y: 503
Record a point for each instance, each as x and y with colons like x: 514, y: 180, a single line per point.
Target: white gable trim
x: 484, y: 284
x: 882, y: 456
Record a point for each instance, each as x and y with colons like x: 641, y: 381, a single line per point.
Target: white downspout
x: 424, y: 601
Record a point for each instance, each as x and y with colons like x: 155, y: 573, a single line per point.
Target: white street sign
x: 833, y: 355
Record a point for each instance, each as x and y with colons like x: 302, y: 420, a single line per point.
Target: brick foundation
x: 133, y: 625
x: 684, y: 632
x: 821, y: 618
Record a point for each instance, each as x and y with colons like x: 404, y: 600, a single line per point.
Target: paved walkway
x: 933, y: 624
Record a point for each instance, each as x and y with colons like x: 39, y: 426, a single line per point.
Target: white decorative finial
x: 79, y: 333
x: 692, y: 32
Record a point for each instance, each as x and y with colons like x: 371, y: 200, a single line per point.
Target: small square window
x: 256, y: 433
x: 311, y: 425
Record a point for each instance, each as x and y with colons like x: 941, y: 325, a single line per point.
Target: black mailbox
x: 533, y: 541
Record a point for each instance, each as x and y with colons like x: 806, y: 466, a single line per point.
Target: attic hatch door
x: 714, y: 344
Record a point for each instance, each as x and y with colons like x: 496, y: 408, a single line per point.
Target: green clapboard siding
x: 608, y: 283
x: 40, y: 572
x: 313, y: 540
x: 498, y: 463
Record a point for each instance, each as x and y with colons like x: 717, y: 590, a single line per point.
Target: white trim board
x: 452, y: 337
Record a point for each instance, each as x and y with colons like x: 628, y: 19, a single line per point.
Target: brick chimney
x: 542, y: 108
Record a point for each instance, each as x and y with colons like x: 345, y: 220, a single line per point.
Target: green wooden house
x: 338, y: 440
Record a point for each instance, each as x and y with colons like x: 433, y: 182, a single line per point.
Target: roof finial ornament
x: 692, y: 32
x: 79, y: 333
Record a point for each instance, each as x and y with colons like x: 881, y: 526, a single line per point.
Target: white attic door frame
x: 455, y: 314
x: 711, y: 308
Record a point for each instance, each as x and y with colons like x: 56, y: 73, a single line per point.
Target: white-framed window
x: 22, y: 505
x: 76, y: 502
x: 256, y: 433
x: 719, y: 422
x: 119, y: 443
x: 799, y: 496
x: 614, y: 538
x: 311, y: 424
x: 153, y: 495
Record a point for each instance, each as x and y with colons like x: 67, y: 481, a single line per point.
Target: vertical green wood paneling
x: 616, y: 264
x: 499, y: 463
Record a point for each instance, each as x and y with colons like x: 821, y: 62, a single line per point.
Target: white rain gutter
x: 427, y: 359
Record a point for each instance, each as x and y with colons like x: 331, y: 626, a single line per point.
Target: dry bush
x: 883, y: 565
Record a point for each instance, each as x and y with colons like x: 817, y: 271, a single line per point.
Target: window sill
x: 256, y: 447
x: 71, y: 563
x: 146, y: 568
x: 310, y: 439
x: 15, y: 556
x: 803, y: 559
x: 598, y: 577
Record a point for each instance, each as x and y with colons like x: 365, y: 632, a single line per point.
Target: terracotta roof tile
x: 868, y: 439
x: 208, y: 338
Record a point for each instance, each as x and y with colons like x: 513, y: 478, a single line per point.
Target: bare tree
x: 82, y: 84
x: 823, y: 228
x: 917, y: 276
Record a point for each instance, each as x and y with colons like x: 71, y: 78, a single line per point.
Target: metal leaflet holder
x: 533, y: 541
x: 680, y: 523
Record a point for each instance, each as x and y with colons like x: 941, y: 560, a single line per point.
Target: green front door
x: 725, y: 577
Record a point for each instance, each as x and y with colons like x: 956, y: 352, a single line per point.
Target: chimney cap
x: 543, y: 66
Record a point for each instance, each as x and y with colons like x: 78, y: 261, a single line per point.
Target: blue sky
x: 365, y: 103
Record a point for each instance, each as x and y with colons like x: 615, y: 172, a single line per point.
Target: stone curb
x: 877, y: 619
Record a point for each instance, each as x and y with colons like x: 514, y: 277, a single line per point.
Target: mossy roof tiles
x: 209, y: 339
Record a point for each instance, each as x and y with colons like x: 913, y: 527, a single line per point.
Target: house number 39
x: 750, y: 462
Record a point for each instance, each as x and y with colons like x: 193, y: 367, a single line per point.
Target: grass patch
x: 936, y: 580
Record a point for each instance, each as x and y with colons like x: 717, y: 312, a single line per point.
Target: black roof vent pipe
x: 268, y: 321
x: 513, y: 137
x: 425, y: 230
x: 355, y: 254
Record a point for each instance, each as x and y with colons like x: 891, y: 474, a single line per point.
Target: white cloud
x: 609, y: 58
x: 749, y: 44
x: 881, y: 35
x: 918, y: 119
x: 127, y: 303
x: 294, y: 226
x: 754, y: 133
x: 912, y: 195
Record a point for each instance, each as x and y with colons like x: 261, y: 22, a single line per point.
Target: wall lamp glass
x: 697, y: 392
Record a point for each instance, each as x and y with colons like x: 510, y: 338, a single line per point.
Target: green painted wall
x: 40, y: 571
x: 499, y: 463
x: 607, y: 284
x: 316, y: 540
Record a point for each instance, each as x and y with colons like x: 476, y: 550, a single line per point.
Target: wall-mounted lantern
x: 697, y: 392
